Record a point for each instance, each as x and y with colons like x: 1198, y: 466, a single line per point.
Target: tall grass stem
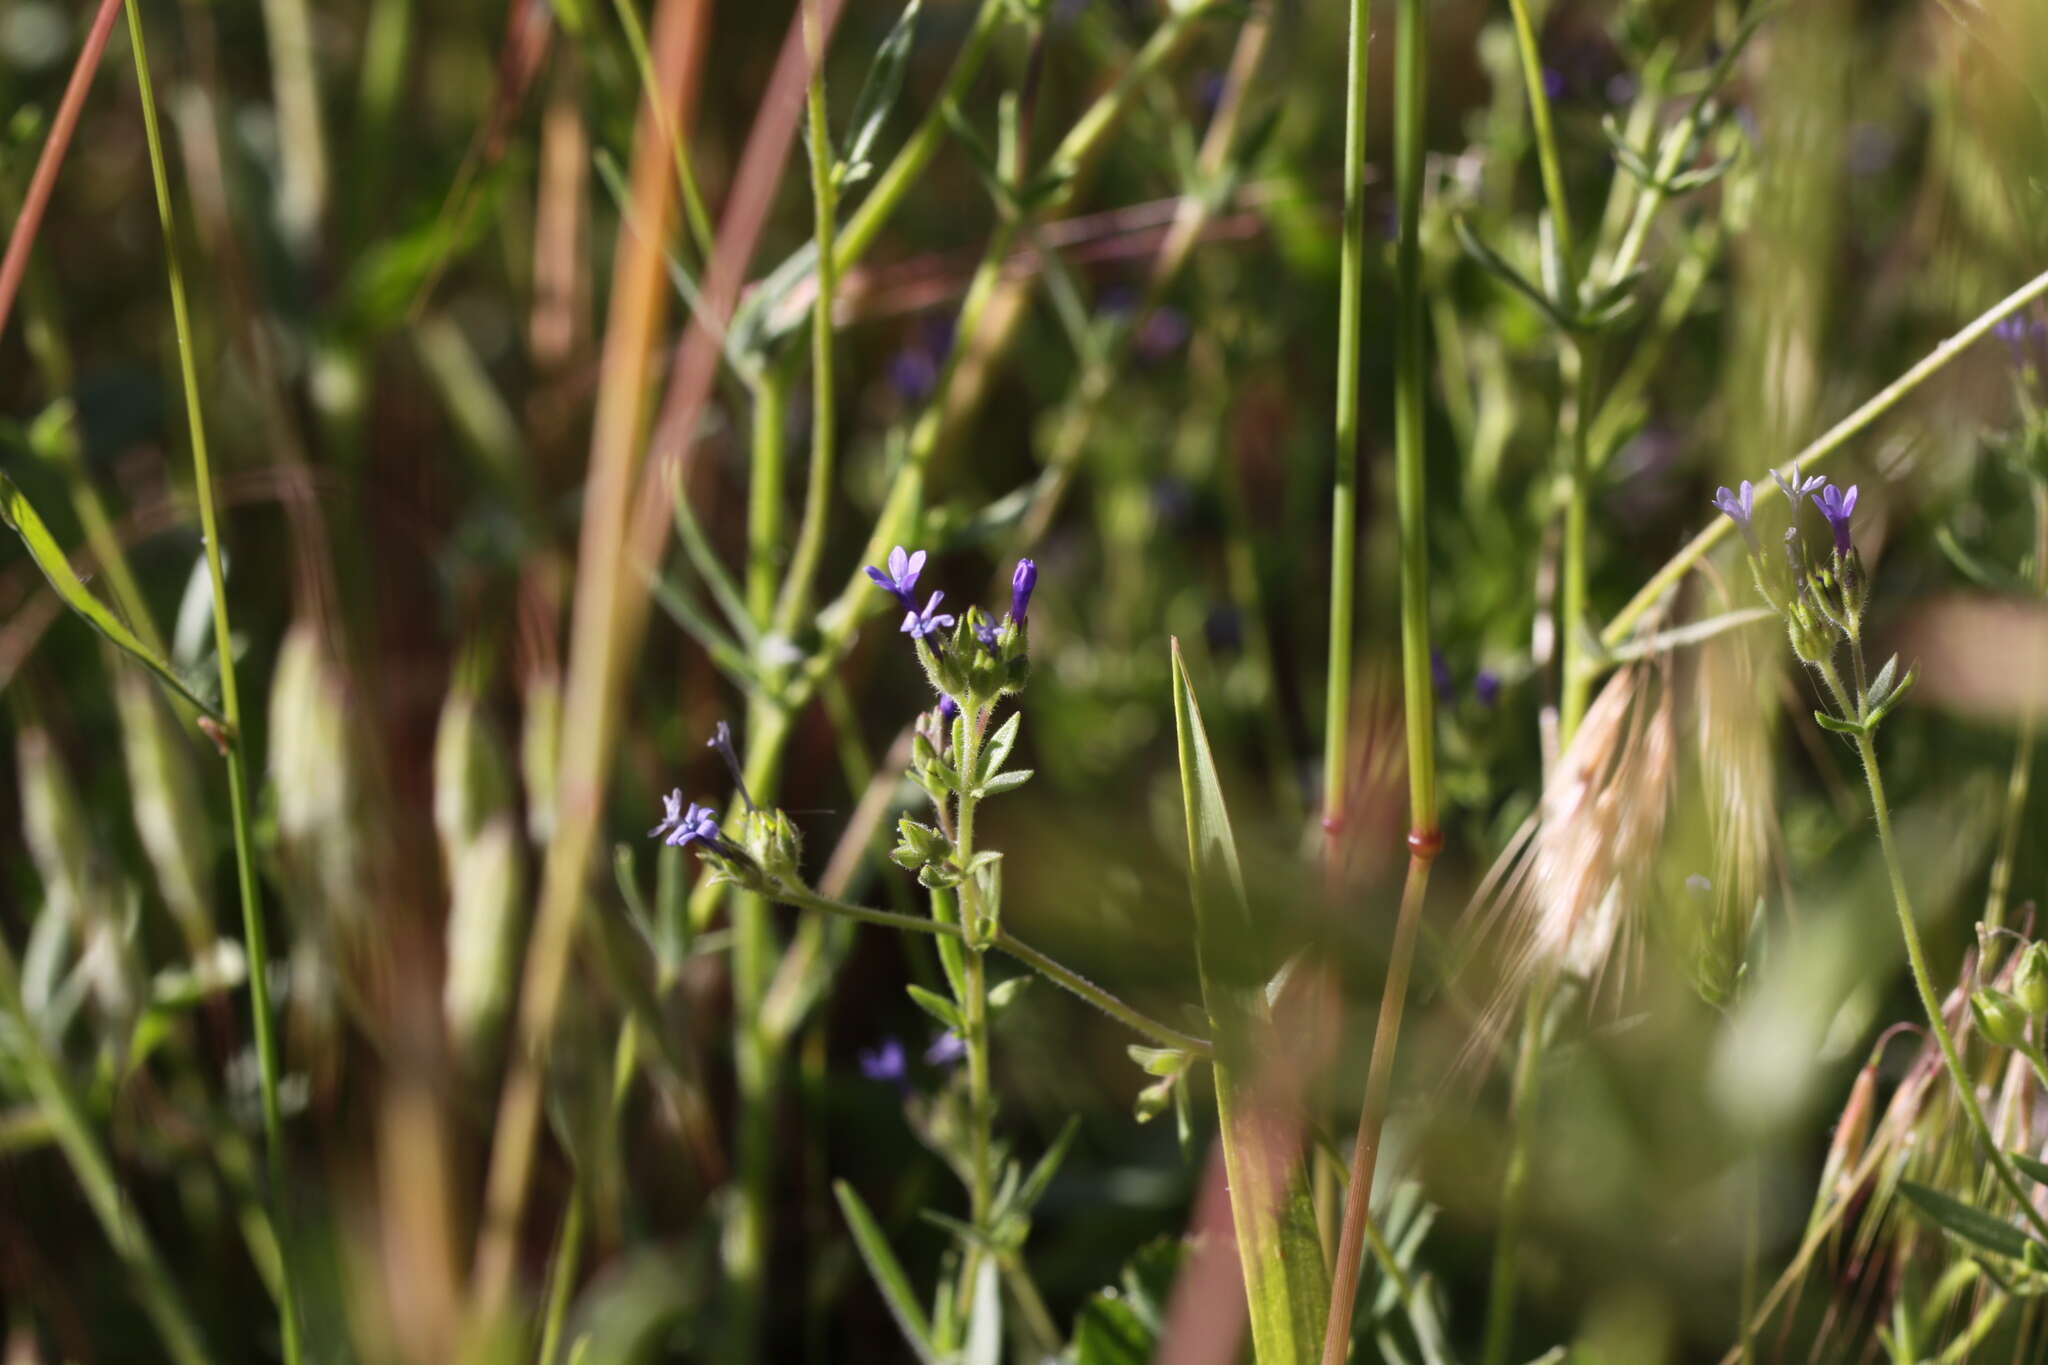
x: 236, y: 746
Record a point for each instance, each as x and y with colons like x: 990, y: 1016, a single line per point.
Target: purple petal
x: 897, y: 561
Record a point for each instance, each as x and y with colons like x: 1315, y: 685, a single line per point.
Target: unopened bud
x: 2030, y: 980
x: 2001, y: 1018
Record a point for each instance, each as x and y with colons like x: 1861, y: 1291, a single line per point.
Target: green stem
x: 1411, y: 66
x: 1575, y: 368
x: 867, y: 221
x: 1514, y: 1185
x: 230, y: 696
x: 1344, y: 483
x: 694, y: 213
x: 1822, y: 448
x: 2017, y: 784
x: 810, y: 537
x: 764, y: 492
x: 1546, y: 134
x: 1923, y: 982
x: 803, y: 898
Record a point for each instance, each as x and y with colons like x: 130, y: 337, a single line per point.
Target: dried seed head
x: 486, y: 917
x: 1734, y: 751
x: 313, y: 773
x: 170, y: 808
x: 540, y: 729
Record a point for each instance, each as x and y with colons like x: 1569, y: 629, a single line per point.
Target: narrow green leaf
x: 1840, y: 727
x: 878, y: 93
x: 1497, y: 264
x: 1881, y: 685
x: 1034, y: 1186
x: 887, y: 1272
x: 1966, y: 1221
x: 1286, y: 1282
x: 938, y: 1007
x: 50, y: 558
x: 2033, y: 1168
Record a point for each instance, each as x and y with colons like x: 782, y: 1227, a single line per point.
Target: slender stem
x: 1514, y: 1185
x: 1823, y: 447
x: 867, y: 221
x: 562, y: 1276
x: 802, y: 898
x: 1546, y: 133
x: 810, y: 537
x: 1923, y: 982
x: 694, y: 213
x: 1344, y: 482
x: 230, y: 698
x: 974, y: 1006
x: 1575, y: 367
x: 764, y: 492
x: 1410, y: 102
x: 14, y: 264
x: 2017, y: 784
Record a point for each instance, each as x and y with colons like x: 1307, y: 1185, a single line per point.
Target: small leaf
x: 1966, y: 1221
x: 999, y: 745
x: 878, y: 94
x: 50, y: 558
x: 1881, y: 685
x: 1005, y: 994
x: 1158, y: 1061
x: 1840, y: 727
x: 938, y: 1007
x: 1493, y: 261
x: 887, y: 1272
x: 2033, y: 1168
x: 1034, y: 1186
x: 1005, y: 782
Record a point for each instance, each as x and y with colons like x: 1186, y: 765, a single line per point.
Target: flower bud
x: 2001, y: 1018
x: 2030, y: 980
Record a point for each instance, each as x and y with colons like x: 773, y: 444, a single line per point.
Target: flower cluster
x: 971, y: 658
x: 1821, y: 602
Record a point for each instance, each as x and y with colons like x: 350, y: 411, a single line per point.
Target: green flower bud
x: 2001, y: 1018
x: 2030, y: 980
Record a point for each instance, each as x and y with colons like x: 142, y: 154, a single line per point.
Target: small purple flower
x: 1021, y: 583
x: 1553, y: 83
x: 918, y: 624
x: 679, y: 828
x: 1486, y: 687
x: 1440, y: 680
x: 1797, y: 487
x: 899, y: 580
x: 946, y: 1050
x: 1739, y: 508
x: 1837, y: 506
x: 948, y: 708
x: 886, y: 1063
x: 985, y: 632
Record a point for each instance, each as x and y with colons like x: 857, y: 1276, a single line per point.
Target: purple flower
x: 1797, y: 487
x: 985, y: 632
x: 1440, y: 680
x: 1739, y: 508
x: 679, y: 828
x: 899, y: 580
x: 946, y: 1050
x: 1553, y: 82
x: 1486, y: 687
x: 1836, y: 506
x: 948, y: 708
x: 1021, y: 583
x: 918, y: 624
x: 885, y: 1063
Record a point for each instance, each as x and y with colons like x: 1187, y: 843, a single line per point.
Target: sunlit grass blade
x: 49, y: 557
x: 1286, y: 1282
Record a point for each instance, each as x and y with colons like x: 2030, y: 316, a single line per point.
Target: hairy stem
x: 1923, y: 982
